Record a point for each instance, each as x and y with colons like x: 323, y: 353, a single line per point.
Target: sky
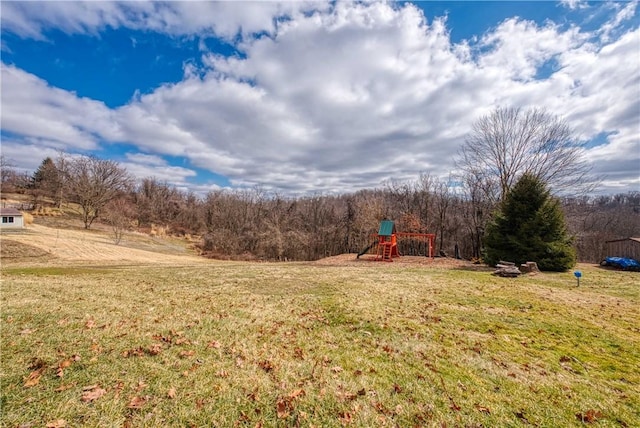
x: 311, y: 97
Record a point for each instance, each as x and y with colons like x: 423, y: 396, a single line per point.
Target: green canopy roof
x: 387, y: 228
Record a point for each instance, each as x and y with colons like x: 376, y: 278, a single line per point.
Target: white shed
x: 11, y: 218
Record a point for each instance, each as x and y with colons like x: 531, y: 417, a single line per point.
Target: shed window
x: 7, y: 219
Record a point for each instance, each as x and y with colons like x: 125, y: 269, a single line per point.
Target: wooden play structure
x: 386, y: 242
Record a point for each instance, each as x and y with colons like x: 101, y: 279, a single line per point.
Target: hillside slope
x: 39, y: 243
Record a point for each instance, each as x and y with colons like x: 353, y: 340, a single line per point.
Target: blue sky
x: 301, y: 97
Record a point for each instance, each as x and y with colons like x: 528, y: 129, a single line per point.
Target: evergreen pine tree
x: 43, y: 174
x: 530, y: 226
x: 46, y: 181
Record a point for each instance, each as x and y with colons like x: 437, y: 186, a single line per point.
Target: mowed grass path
x: 294, y: 344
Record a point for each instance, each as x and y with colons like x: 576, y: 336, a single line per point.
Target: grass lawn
x: 293, y: 344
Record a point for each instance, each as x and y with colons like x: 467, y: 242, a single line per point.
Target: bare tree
x: 510, y: 142
x: 443, y: 199
x: 92, y: 183
x: 119, y: 214
x: 6, y: 168
x: 9, y: 177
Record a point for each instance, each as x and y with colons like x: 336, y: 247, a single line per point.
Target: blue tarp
x: 622, y: 263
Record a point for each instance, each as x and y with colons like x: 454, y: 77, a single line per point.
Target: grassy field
x: 293, y: 344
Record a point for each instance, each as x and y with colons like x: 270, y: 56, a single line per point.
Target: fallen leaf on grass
x: 171, y: 393
x: 345, y: 418
x: 266, y: 365
x: 37, y: 363
x: 483, y: 409
x: 61, y: 366
x: 58, y: 423
x: 346, y: 396
x: 92, y: 393
x: 91, y: 323
x: 381, y: 408
x: 282, y: 408
x: 138, y: 352
x: 141, y: 385
x: 388, y: 349
x: 65, y: 387
x: 214, y: 344
x: 296, y: 393
x: 337, y: 369
x: 243, y: 419
x: 64, y: 364
x: 185, y: 354
x: 26, y: 331
x: 118, y: 388
x: 200, y: 402
x: 137, y: 402
x: 298, y: 353
x: 162, y: 338
x: 34, y: 378
x: 520, y: 415
x: 590, y: 416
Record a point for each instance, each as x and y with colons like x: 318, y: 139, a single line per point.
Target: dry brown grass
x: 28, y: 218
x: 91, y: 246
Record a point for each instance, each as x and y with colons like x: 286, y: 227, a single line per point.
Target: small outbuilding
x: 11, y: 218
x: 627, y: 247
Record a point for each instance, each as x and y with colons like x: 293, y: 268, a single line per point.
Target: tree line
x: 252, y: 223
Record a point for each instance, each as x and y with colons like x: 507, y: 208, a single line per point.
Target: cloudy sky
x: 311, y: 97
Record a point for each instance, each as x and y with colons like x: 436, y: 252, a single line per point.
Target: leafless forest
x: 255, y: 224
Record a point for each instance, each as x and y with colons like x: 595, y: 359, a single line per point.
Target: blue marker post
x: 578, y: 274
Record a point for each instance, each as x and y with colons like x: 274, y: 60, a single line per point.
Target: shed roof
x: 624, y: 239
x: 387, y: 228
x: 10, y: 211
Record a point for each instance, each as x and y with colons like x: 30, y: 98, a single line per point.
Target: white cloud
x: 519, y: 47
x: 143, y: 165
x: 340, y: 99
x: 226, y: 19
x: 575, y: 4
x: 173, y: 175
x: 32, y: 108
x: 21, y: 153
x: 625, y: 13
x: 145, y: 159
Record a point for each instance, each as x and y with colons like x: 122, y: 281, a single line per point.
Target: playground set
x: 387, y: 242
